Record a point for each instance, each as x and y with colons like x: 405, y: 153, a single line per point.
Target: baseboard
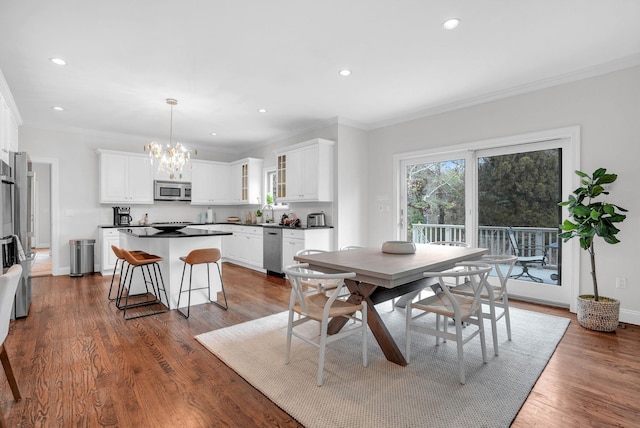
x: 630, y: 317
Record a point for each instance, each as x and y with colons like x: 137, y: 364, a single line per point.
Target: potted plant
x: 590, y: 218
x: 259, y: 216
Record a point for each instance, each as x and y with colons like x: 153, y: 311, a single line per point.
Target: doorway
x: 478, y: 192
x: 45, y: 224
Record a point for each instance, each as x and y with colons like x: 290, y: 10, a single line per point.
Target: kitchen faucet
x: 269, y: 207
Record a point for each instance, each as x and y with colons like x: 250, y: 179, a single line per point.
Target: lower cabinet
x: 108, y: 237
x: 294, y: 240
x: 244, y: 247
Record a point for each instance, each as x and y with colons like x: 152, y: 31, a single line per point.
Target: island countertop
x: 187, y: 232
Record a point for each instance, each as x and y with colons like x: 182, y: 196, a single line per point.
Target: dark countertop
x: 131, y: 226
x: 150, y: 232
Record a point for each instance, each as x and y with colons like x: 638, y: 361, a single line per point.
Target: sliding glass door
x: 503, y: 198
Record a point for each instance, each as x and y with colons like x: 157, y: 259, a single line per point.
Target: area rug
x: 427, y: 392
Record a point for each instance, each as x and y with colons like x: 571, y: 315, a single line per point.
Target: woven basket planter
x: 602, y: 315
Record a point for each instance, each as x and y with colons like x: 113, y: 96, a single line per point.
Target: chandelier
x: 171, y: 159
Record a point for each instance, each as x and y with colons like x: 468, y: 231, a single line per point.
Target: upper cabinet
x: 209, y: 182
x: 9, y: 123
x: 305, y: 171
x: 218, y: 183
x: 125, y: 178
x: 128, y: 178
x: 245, y: 182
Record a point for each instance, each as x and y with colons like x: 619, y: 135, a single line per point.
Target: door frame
x: 53, y: 164
x: 569, y: 140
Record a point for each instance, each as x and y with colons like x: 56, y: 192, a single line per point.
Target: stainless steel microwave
x: 171, y: 191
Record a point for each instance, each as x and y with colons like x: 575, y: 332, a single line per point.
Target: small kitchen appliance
x: 122, y: 216
x: 171, y: 191
x: 316, y: 220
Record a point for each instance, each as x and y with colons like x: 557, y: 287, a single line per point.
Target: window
x: 271, y: 189
x: 475, y: 193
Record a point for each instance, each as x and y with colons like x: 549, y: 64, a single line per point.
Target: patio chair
x: 527, y: 256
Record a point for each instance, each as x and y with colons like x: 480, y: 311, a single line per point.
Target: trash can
x: 81, y: 256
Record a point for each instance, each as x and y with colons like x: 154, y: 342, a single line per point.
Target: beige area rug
x: 424, y: 393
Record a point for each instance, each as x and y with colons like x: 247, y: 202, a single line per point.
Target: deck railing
x: 495, y: 238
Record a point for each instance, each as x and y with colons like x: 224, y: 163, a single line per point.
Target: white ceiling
x: 223, y: 60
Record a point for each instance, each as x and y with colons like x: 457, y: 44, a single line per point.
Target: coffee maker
x: 122, y: 216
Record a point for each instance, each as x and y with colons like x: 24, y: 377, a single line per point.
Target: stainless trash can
x: 81, y: 256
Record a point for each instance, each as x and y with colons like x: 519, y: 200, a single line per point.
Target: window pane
x: 435, y: 201
x: 521, y: 191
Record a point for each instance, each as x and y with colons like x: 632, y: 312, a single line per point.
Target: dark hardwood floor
x: 78, y: 363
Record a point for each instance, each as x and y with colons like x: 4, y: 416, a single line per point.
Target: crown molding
x: 585, y: 73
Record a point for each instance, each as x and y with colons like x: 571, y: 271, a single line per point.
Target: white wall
x: 607, y: 109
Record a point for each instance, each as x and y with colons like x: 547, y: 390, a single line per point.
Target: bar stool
x: 119, y: 260
x: 142, y: 261
x: 196, y: 257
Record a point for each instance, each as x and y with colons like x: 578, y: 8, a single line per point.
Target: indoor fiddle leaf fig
x: 589, y: 218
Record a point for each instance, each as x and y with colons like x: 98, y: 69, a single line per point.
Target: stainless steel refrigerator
x: 23, y: 220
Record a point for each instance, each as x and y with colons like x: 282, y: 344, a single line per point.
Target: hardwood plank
x: 77, y: 362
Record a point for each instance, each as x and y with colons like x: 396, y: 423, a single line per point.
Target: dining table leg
x: 362, y: 291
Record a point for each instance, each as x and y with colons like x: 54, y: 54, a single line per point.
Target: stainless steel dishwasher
x: 272, y: 250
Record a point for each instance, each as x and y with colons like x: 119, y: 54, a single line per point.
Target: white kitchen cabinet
x: 5, y: 116
x: 245, y: 181
x: 13, y: 134
x: 209, y: 183
x: 107, y: 238
x: 305, y: 171
x: 125, y: 178
x: 294, y: 240
x: 245, y: 246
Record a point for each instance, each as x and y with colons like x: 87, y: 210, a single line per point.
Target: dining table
x: 382, y: 276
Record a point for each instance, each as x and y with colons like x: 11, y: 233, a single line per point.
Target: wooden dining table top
x: 387, y: 270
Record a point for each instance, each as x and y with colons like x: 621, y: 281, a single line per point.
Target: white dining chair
x: 494, y: 296
x: 323, y: 285
x: 8, y: 286
x: 462, y: 309
x: 314, y: 305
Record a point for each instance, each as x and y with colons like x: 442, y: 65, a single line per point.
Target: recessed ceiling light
x: 262, y: 110
x: 58, y: 61
x: 450, y: 24
x: 345, y: 72
x: 57, y: 108
x: 214, y: 134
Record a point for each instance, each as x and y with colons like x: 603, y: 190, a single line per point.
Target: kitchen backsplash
x: 177, y: 211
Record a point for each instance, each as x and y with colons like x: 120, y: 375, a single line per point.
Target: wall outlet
x: 621, y: 282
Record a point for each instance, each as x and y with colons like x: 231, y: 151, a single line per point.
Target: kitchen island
x: 171, y: 245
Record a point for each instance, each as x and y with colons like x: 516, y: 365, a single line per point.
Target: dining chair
x: 463, y: 309
x: 323, y: 285
x: 314, y: 305
x: 8, y: 286
x: 494, y: 295
x: 450, y: 244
